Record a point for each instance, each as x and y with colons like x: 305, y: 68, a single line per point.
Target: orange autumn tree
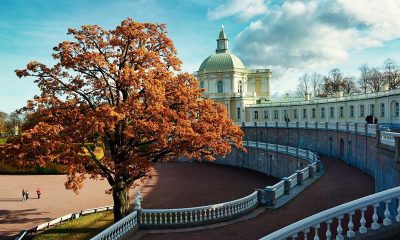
x: 119, y: 88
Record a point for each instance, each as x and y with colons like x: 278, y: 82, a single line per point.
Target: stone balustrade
x: 118, y: 229
x: 388, y: 138
x: 310, y: 226
x: 184, y: 217
x: 270, y: 194
x: 359, y: 128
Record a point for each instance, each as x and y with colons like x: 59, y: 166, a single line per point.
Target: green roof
x: 221, y: 61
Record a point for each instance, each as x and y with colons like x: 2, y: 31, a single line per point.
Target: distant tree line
x: 371, y: 79
x: 8, y: 122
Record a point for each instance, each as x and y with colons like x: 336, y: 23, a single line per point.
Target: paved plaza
x: 172, y: 185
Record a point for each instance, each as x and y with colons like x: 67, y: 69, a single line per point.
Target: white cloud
x: 243, y: 9
x: 311, y: 35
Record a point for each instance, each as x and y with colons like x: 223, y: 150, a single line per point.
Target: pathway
x: 340, y: 183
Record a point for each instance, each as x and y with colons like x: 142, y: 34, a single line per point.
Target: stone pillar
x: 287, y: 185
x: 310, y: 171
x: 269, y: 196
x: 261, y: 197
x: 397, y: 149
x: 299, y: 177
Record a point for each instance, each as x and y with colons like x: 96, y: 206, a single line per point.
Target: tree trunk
x: 121, y: 201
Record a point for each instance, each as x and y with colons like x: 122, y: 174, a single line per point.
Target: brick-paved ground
x: 340, y: 183
x: 173, y: 185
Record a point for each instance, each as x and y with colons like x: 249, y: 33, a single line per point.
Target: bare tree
x: 316, y: 82
x: 365, y: 73
x: 304, y: 85
x: 391, y: 73
x: 336, y: 81
x: 375, y: 80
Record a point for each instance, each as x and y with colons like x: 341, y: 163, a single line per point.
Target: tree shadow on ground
x: 19, y: 217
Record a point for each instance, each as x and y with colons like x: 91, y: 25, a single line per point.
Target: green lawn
x: 3, y: 140
x: 82, y: 228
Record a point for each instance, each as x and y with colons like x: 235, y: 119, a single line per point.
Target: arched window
x: 395, y: 109
x: 220, y: 86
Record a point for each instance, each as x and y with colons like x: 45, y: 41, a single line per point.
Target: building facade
x: 352, y: 108
x: 226, y: 80
x: 246, y: 95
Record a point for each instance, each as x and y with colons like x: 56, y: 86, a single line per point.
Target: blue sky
x: 263, y: 33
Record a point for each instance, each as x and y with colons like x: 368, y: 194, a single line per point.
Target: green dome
x: 221, y: 61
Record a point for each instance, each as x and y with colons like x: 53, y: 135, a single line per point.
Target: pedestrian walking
x: 26, y: 195
x: 23, y: 195
x: 38, y: 192
x: 375, y: 120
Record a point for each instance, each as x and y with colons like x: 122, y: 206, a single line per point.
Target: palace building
x: 226, y: 80
x: 246, y: 95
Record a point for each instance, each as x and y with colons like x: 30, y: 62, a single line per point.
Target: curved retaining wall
x: 362, y: 151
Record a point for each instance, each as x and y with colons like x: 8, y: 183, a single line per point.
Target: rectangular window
x: 396, y: 109
x: 220, y: 87
x: 285, y: 113
x: 304, y: 113
x: 238, y: 113
x: 362, y: 110
x: 255, y: 114
x: 313, y: 112
x: 341, y: 109
x: 323, y: 112
x: 295, y: 113
x: 382, y: 110
x: 276, y: 114
x: 372, y: 109
x: 351, y: 111
x: 332, y: 112
x: 201, y: 84
x: 266, y: 114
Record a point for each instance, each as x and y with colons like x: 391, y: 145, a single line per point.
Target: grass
x: 3, y: 140
x: 84, y: 227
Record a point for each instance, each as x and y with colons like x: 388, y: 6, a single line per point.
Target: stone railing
x: 270, y: 194
x: 388, y: 138
x: 358, y: 128
x: 184, y: 217
x: 309, y: 227
x: 61, y: 220
x: 300, y: 153
x: 118, y: 229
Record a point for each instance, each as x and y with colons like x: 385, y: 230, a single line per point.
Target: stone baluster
x: 387, y: 221
x: 375, y: 224
x: 350, y: 232
x: 316, y: 227
x: 294, y: 236
x: 191, y: 216
x: 306, y: 233
x: 186, y: 217
x: 180, y: 217
x: 339, y: 229
x: 363, y: 228
x: 328, y: 233
x: 213, y: 213
x: 398, y: 210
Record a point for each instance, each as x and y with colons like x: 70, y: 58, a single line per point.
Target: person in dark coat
x: 375, y: 120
